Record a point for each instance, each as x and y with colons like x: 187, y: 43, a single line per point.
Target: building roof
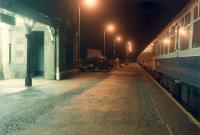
x: 15, y: 7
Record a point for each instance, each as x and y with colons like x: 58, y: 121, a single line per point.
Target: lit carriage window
x: 196, y: 12
x: 158, y: 49
x: 184, y: 38
x: 187, y: 18
x: 166, y: 42
x: 196, y: 33
x: 161, y: 46
x: 182, y: 22
x: 172, y: 32
x: 166, y: 45
x: 172, y: 39
x: 172, y: 44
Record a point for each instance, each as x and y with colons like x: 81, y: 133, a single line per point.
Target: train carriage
x: 174, y: 57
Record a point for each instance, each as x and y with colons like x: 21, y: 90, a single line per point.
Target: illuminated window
x: 162, y: 47
x: 196, y: 12
x: 172, y: 44
x: 182, y: 22
x: 184, y: 39
x: 187, y: 19
x: 172, y: 32
x: 158, y: 49
x: 166, y: 42
x: 196, y: 33
x: 166, y: 48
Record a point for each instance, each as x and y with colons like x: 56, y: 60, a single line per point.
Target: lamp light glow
x: 183, y: 32
x: 110, y: 28
x: 90, y: 3
x: 119, y: 38
x: 166, y: 41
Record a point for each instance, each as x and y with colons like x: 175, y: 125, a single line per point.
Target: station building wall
x: 13, y: 49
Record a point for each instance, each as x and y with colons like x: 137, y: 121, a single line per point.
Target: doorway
x: 37, y: 54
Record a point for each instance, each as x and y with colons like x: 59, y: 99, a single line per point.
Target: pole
x: 104, y: 49
x: 79, y: 37
x: 127, y: 59
x: 114, y: 48
x: 28, y: 79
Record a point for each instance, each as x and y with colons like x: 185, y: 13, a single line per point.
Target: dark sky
x: 136, y: 20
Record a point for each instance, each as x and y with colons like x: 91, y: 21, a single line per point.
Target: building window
x: 184, y: 38
x: 196, y: 33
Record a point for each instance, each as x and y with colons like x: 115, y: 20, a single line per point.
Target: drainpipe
x: 57, y: 69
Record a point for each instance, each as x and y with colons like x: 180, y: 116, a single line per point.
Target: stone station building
x: 32, y: 44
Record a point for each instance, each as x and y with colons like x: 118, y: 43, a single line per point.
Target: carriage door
x: 37, y: 54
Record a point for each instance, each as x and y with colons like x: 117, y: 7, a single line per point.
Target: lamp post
x: 109, y: 28
x: 88, y: 4
x: 117, y: 39
x: 29, y: 25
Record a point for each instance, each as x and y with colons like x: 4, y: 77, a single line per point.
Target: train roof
x: 178, y: 16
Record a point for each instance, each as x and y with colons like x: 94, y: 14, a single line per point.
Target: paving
x: 122, y: 102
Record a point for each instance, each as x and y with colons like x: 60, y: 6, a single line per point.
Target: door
x: 37, y: 54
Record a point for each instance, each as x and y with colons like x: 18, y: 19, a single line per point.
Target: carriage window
x: 196, y: 33
x: 172, y: 44
x: 187, y: 18
x: 172, y: 32
x: 166, y: 45
x: 158, y: 49
x: 182, y: 22
x: 166, y: 42
x: 161, y: 47
x: 184, y: 38
x: 196, y: 12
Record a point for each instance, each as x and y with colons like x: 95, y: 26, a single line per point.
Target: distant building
x: 50, y: 54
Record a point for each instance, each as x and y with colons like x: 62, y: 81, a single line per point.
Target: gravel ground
x: 116, y: 103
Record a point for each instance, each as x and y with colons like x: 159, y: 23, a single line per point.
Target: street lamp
x: 29, y: 24
x: 88, y: 4
x: 117, y: 39
x: 109, y: 28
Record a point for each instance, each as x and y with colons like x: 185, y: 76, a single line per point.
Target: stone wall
x: 19, y: 51
x: 1, y: 65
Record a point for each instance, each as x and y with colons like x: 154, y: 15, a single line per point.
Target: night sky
x: 136, y: 20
